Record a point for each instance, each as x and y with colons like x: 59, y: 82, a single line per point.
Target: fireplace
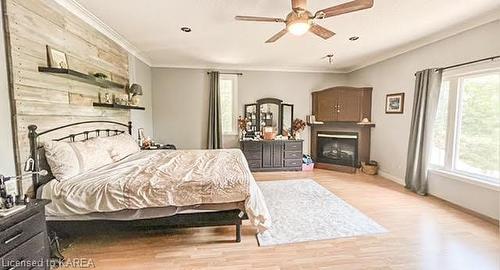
x: 339, y: 148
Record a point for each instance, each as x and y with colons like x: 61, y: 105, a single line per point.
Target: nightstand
x: 23, y: 238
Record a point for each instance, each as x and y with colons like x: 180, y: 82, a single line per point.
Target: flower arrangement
x: 298, y: 126
x: 242, y: 123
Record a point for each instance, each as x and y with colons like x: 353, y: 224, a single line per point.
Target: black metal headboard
x: 35, y: 149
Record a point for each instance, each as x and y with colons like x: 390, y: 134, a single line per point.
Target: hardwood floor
x: 424, y: 233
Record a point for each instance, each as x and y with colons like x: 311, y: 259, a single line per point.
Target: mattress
x: 148, y: 213
x: 160, y: 183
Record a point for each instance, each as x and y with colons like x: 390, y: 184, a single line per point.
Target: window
x: 229, y: 103
x: 466, y: 135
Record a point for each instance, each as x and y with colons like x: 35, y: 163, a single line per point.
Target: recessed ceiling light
x: 354, y: 38
x: 186, y: 29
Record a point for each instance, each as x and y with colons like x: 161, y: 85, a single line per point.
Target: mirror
x: 287, y: 119
x: 251, y: 115
x: 269, y: 116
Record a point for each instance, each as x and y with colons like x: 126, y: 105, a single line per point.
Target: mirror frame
x: 256, y: 113
x: 270, y: 101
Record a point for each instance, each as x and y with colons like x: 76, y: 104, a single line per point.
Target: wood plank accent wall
x: 46, y: 100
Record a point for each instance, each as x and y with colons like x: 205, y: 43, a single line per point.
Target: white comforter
x: 159, y: 179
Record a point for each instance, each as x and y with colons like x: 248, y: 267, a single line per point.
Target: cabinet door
x: 366, y: 103
x: 277, y: 154
x: 325, y: 106
x: 267, y: 155
x: 349, y: 105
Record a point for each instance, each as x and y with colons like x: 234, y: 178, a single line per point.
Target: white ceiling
x: 218, y: 41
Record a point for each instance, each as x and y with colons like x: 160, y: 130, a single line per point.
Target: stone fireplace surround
x: 363, y: 142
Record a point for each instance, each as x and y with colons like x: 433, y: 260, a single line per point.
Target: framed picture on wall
x: 394, y: 103
x: 56, y: 58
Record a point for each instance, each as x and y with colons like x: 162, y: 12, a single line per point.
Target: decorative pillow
x: 120, y: 146
x: 62, y: 160
x: 68, y: 159
x: 91, y: 154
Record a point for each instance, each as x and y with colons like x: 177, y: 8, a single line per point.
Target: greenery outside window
x: 466, y: 136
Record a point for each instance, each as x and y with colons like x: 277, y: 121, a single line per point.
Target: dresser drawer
x: 20, y: 232
x: 252, y: 146
x: 293, y: 155
x: 253, y: 155
x: 254, y: 164
x: 293, y: 162
x: 28, y: 255
x: 293, y: 146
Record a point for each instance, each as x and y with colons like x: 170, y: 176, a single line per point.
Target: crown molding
x: 84, y: 14
x: 250, y: 68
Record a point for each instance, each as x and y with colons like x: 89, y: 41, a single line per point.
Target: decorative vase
x: 297, y: 136
x: 134, y: 101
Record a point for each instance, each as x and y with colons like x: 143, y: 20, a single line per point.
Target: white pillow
x: 120, y: 146
x: 62, y: 160
x: 91, y: 154
x: 68, y: 159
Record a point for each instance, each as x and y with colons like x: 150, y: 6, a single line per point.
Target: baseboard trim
x: 400, y: 181
x: 468, y: 211
x: 391, y: 177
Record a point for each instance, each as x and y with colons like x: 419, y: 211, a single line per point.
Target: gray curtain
x: 214, y: 114
x: 426, y: 97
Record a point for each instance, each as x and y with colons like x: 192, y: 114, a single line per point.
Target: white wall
x: 141, y: 73
x: 7, y: 164
x: 390, y: 136
x: 181, y: 99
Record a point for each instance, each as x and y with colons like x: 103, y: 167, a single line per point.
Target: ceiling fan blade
x: 344, y: 8
x: 279, y: 35
x: 258, y: 19
x: 299, y: 4
x: 321, y: 31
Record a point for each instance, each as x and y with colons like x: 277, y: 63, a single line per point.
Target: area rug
x: 302, y: 210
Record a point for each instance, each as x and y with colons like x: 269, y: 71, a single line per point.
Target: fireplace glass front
x: 340, y: 148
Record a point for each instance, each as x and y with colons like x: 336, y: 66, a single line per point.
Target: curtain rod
x: 229, y: 73
x: 470, y: 62
x: 467, y: 63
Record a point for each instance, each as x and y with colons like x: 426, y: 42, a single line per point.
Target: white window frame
x: 456, y: 78
x: 234, y: 79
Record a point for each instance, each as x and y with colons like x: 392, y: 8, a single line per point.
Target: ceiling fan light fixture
x: 299, y: 28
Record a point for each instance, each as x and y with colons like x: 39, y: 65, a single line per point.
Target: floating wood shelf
x: 367, y: 125
x: 81, y: 77
x: 118, y: 106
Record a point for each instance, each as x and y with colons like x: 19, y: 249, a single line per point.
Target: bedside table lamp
x: 134, y: 91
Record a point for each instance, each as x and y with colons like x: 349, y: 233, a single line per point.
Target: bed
x: 182, y: 188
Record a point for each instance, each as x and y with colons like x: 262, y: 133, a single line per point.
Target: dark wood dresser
x: 23, y: 238
x: 273, y: 155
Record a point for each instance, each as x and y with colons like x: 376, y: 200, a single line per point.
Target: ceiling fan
x: 301, y: 20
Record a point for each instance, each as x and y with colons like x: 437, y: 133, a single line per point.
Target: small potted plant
x: 298, y: 126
